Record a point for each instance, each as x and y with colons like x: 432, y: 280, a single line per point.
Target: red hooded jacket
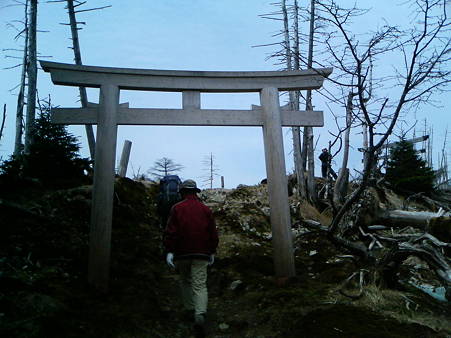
x: 190, y: 229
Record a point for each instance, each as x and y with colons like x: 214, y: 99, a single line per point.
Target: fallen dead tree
x: 426, y: 248
x: 402, y: 218
x: 438, y: 200
x: 353, y: 67
x: 386, y: 248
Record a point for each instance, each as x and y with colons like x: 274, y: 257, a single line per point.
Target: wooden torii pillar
x: 109, y: 114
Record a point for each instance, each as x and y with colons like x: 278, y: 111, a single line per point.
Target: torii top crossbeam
x: 190, y: 83
x: 108, y: 114
x: 182, y: 80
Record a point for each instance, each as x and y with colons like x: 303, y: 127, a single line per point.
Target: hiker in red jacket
x: 190, y: 240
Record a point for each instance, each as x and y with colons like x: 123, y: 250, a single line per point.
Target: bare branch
x: 3, y: 121
x: 92, y: 9
x: 18, y: 65
x: 267, y: 44
x: 79, y: 3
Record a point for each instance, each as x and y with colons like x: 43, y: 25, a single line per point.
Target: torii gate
x: 109, y: 113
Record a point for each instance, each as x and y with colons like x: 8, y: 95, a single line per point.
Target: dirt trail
x: 43, y: 289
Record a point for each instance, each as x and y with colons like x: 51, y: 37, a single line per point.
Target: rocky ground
x: 43, y: 261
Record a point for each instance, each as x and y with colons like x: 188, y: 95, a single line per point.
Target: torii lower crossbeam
x: 108, y: 114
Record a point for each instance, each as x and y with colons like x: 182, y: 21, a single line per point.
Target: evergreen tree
x: 406, y: 171
x: 53, y: 158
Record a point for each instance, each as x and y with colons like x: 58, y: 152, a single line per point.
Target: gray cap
x: 189, y: 185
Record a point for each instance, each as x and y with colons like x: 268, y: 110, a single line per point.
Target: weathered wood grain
x: 103, y: 189
x: 177, y: 80
x: 277, y: 184
x: 187, y: 117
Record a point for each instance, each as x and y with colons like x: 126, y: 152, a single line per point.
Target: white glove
x: 170, y: 260
x: 211, y: 260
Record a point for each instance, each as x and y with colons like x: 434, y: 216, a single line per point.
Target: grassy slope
x: 43, y: 291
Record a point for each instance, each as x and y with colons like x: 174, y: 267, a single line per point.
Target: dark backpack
x: 169, y: 194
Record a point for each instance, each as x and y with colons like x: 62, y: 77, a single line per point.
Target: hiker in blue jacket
x: 168, y: 196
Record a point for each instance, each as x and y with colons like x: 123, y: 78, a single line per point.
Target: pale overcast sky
x: 175, y: 34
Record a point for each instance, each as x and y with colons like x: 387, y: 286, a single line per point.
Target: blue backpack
x: 169, y: 194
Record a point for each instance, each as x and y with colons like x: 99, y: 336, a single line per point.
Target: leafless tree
x: 294, y: 95
x: 301, y: 153
x: 341, y: 186
x: 292, y: 101
x: 163, y: 167
x: 18, y: 143
x: 72, y: 7
x: 308, y: 131
x: 442, y: 175
x: 210, y: 169
x: 77, y: 56
x: 32, y: 75
x: 288, y: 55
x: 138, y: 175
x: 424, y: 53
x: 379, y: 103
x: 2, y: 126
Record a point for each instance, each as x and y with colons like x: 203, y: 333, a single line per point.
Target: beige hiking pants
x: 193, y: 284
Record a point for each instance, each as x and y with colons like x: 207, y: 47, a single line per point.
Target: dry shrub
x: 402, y: 306
x: 307, y: 211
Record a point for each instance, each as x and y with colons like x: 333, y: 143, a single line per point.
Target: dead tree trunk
x: 3, y: 121
x: 300, y: 168
x: 308, y: 131
x: 365, y: 142
x: 341, y: 185
x: 402, y: 218
x: 418, y: 76
x: 32, y: 72
x: 211, y: 171
x: 390, y: 262
x: 77, y: 57
x: 294, y: 98
x: 18, y: 143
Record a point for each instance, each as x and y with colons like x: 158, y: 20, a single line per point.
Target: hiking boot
x: 188, y: 315
x: 199, y: 319
x: 199, y: 325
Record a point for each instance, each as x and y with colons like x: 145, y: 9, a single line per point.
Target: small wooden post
x: 277, y: 183
x: 103, y: 190
x: 125, y: 156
